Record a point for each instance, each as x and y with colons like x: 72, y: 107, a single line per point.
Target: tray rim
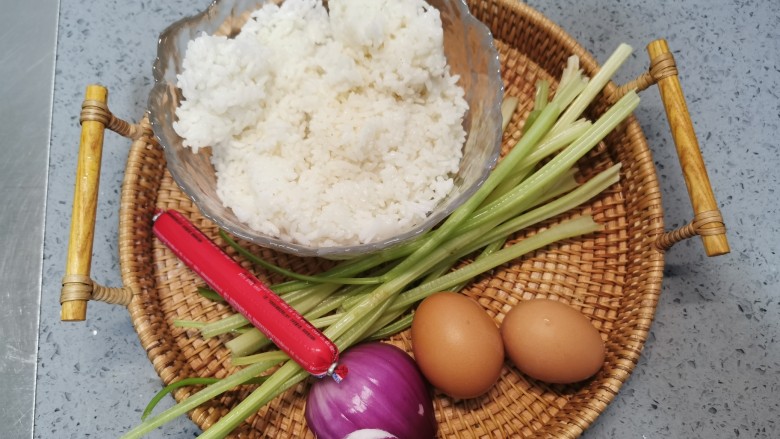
x: 579, y: 422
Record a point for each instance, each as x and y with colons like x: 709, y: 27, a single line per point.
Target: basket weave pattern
x: 613, y: 277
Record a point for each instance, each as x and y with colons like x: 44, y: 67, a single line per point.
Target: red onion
x: 383, y: 391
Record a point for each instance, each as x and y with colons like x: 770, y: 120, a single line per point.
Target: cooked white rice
x: 327, y: 130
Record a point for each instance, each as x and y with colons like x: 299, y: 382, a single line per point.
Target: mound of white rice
x: 327, y: 130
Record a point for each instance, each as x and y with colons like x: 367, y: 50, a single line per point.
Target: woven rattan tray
x: 613, y: 277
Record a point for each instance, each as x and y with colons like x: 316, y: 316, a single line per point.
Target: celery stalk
x: 265, y: 357
x: 197, y: 399
x: 568, y: 229
x: 393, y: 328
x: 540, y: 101
x: 506, y: 205
x: 544, y: 149
x: 594, y: 86
x: 508, y: 107
x: 223, y: 326
x: 285, y: 377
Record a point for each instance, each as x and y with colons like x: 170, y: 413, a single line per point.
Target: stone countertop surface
x: 711, y: 365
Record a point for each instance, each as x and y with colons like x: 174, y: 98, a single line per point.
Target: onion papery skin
x: 383, y: 390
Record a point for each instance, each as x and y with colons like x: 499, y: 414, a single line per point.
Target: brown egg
x: 457, y: 345
x: 552, y: 342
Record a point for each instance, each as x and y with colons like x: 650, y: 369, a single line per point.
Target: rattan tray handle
x: 77, y: 286
x: 707, y: 220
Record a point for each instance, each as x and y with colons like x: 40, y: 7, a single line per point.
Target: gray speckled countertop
x: 711, y: 367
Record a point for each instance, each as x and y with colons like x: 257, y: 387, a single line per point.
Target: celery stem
x: 594, y: 86
x: 508, y: 107
x: 568, y: 229
x: 197, y: 399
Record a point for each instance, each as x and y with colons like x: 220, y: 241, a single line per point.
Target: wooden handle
x: 82, y: 227
x: 705, y: 207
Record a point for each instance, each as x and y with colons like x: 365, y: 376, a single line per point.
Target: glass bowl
x: 468, y: 46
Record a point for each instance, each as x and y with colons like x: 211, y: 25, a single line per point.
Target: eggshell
x: 457, y: 345
x: 552, y: 342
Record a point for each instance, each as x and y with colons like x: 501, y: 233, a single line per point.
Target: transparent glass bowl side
x: 470, y: 52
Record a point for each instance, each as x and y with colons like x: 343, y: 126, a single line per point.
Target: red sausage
x: 282, y: 324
